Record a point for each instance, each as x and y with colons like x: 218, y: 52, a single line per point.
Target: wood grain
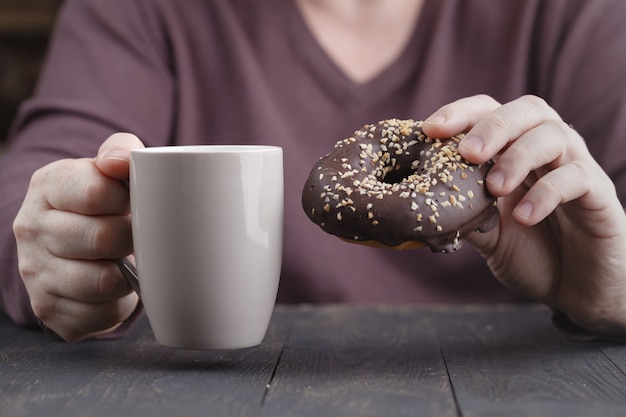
x: 336, y: 360
x: 130, y: 377
x: 512, y: 362
x: 360, y: 362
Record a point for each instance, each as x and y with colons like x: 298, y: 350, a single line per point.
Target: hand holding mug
x: 74, y: 217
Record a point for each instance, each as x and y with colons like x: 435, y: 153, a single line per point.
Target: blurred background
x: 25, y: 27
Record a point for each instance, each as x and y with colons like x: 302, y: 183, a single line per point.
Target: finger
x: 459, y: 116
x: 74, y: 236
x: 113, y: 157
x: 549, y: 144
x: 74, y: 321
x: 84, y: 281
x: 78, y: 186
x: 559, y: 186
x: 494, y: 131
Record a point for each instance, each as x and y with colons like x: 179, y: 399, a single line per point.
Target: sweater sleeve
x: 106, y: 71
x: 581, y: 72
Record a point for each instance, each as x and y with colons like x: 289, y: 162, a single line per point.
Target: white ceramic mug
x: 208, y: 232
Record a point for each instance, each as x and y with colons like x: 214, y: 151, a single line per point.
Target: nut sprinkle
x: 392, y: 185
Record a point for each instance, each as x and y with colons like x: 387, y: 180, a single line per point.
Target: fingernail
x: 435, y: 119
x: 525, y: 210
x: 116, y: 155
x: 496, y: 178
x: 473, y: 143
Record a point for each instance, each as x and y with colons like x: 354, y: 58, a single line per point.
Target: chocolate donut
x: 390, y: 185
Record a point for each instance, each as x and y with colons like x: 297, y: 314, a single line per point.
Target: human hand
x: 74, y: 219
x: 562, y: 234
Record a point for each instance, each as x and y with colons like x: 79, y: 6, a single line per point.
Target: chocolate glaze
x: 392, y: 184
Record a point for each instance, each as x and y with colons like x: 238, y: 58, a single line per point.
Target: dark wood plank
x: 357, y: 361
x: 616, y: 353
x: 333, y: 360
x: 132, y: 376
x: 512, y: 362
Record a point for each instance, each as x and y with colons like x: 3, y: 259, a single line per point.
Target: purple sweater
x: 243, y: 71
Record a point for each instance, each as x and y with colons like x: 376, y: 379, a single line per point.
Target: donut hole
x: 397, y: 174
x: 398, y: 168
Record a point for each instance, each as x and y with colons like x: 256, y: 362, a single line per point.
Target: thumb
x: 113, y: 157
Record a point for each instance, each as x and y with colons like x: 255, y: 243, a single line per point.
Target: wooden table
x: 335, y: 360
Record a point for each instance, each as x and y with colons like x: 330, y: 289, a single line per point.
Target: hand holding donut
x: 561, y: 238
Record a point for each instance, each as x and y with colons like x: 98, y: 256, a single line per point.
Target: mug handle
x: 130, y: 273
x: 128, y: 269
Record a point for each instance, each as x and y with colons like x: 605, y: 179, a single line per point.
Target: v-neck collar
x: 336, y: 82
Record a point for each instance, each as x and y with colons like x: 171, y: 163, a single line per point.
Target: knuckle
x: 27, y: 223
x: 547, y: 187
x: 498, y: 121
x: 539, y: 105
x: 42, y: 176
x: 66, y: 332
x: 92, y: 195
x: 559, y: 127
x: 106, y: 238
x: 23, y: 228
x: 43, y: 310
x: 102, y: 317
x: 39, y: 177
x: 487, y: 99
x: 534, y: 101
x: 109, y: 284
x: 99, y: 237
x: 517, y: 154
x: 482, y: 96
x: 582, y: 168
x: 582, y: 172
x: 27, y: 270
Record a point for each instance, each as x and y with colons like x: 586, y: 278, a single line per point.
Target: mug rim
x: 197, y: 149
